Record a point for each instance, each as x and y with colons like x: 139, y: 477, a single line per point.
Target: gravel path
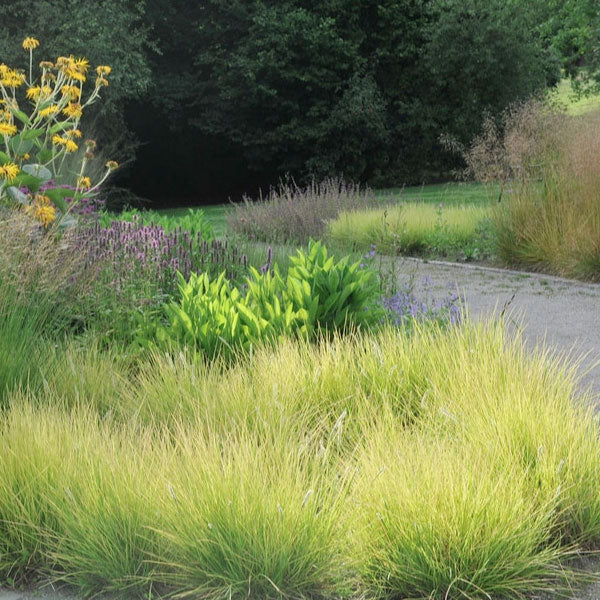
x: 564, y: 313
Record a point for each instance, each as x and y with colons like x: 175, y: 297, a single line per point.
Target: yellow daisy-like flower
x: 71, y: 146
x: 81, y: 64
x: 6, y: 116
x: 62, y: 62
x: 46, y: 64
x: 111, y: 165
x: 76, y: 75
x: 30, y: 43
x: 73, y: 109
x: 73, y: 133
x: 8, y: 129
x: 57, y: 140
x: 9, y: 172
x: 49, y: 111
x: 72, y: 91
x: 42, y: 209
x: 12, y: 78
x: 84, y: 183
x: 26, y: 156
x: 33, y: 93
x: 103, y: 70
x: 101, y: 81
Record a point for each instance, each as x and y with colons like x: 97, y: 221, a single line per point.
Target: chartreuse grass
x: 411, y: 228
x: 445, y: 463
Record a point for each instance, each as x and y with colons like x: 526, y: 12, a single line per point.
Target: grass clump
x: 416, y: 228
x: 386, y: 464
x: 549, y: 219
x: 290, y: 213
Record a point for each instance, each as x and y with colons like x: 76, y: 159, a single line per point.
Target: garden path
x: 564, y: 313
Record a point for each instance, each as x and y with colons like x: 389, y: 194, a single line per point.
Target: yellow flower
x: 11, y: 78
x: 103, y: 70
x: 33, y: 93
x: 8, y: 129
x: 73, y: 133
x: 49, y: 111
x: 6, y: 116
x: 76, y: 75
x: 71, y: 146
x: 72, y: 91
x: 84, y: 183
x: 81, y: 64
x: 58, y: 141
x: 101, y: 81
x: 42, y: 210
x: 111, y: 165
x: 46, y: 64
x: 26, y: 156
x: 73, y: 109
x: 30, y: 43
x: 9, y: 172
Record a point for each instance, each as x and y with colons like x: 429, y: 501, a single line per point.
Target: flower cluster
x: 42, y: 209
x: 405, y: 305
x: 131, y: 249
x: 49, y: 132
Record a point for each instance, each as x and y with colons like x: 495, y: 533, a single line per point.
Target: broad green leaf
x: 60, y: 126
x: 21, y: 116
x: 4, y: 158
x: 31, y: 134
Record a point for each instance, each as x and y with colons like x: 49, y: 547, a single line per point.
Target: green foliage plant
x: 318, y: 294
x: 194, y: 221
x: 35, y: 154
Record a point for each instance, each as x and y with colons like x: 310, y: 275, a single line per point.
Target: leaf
x: 19, y: 145
x: 21, y: 116
x: 45, y: 155
x: 38, y: 171
x: 60, y: 126
x: 28, y: 181
x: 4, y: 158
x: 17, y: 195
x: 31, y: 134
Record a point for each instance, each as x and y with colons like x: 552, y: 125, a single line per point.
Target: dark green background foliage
x: 228, y: 96
x: 111, y: 32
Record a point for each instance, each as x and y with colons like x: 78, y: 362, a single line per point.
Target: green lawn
x: 563, y: 95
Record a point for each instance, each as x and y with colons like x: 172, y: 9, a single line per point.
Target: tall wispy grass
x: 290, y: 213
x: 549, y: 165
x: 411, y: 228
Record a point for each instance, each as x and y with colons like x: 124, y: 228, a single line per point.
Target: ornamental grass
x: 442, y: 463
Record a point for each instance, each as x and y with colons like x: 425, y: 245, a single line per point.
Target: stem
x: 30, y: 66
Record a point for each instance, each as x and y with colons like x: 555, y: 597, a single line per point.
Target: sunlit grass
x: 411, y: 228
x: 446, y: 463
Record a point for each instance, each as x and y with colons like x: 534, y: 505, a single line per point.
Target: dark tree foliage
x: 109, y: 32
x: 250, y: 91
x: 228, y: 96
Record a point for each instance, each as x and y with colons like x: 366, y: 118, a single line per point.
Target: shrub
x: 318, y: 294
x: 57, y: 94
x: 550, y: 220
x: 293, y: 214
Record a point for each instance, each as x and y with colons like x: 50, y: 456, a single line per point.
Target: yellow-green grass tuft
x: 410, y: 228
x: 443, y: 463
